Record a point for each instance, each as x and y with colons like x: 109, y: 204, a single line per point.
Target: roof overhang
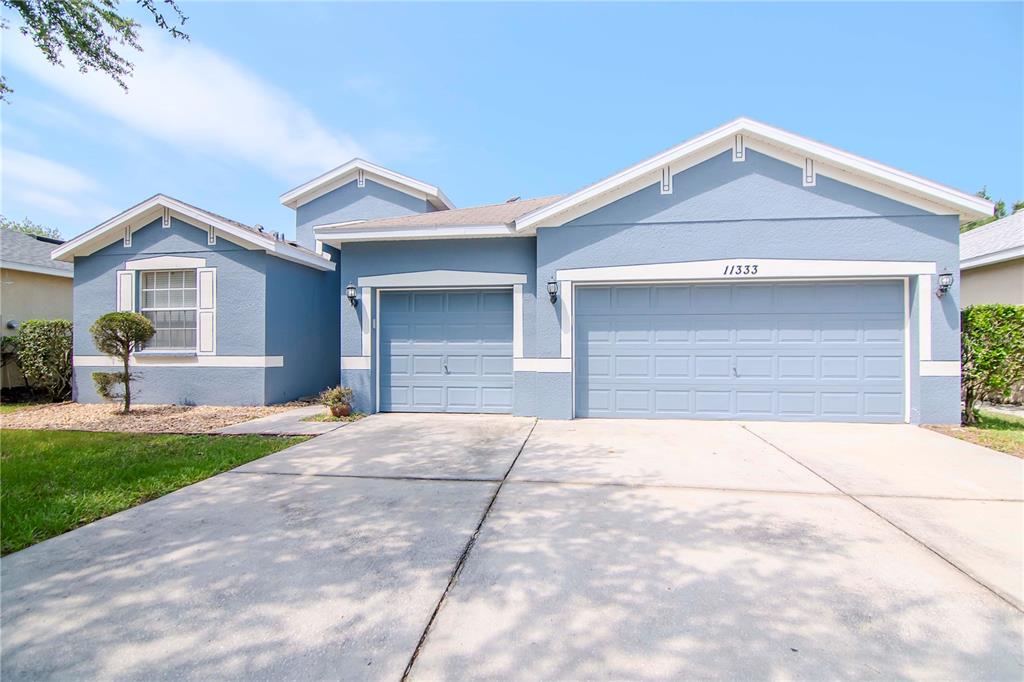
x: 992, y: 258
x: 37, y: 269
x: 151, y: 209
x: 346, y: 173
x: 746, y: 133
x: 340, y: 233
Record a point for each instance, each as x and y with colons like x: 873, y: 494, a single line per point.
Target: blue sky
x: 491, y: 101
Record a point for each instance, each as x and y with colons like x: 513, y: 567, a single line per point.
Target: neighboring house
x: 992, y: 262
x: 32, y: 286
x: 748, y: 273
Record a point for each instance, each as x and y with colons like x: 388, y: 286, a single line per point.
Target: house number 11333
x: 740, y: 270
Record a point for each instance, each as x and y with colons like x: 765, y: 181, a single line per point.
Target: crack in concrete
x: 373, y: 477
x: 995, y: 592
x: 460, y: 564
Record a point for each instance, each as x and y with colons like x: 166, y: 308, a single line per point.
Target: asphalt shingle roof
x: 1003, y: 234
x: 490, y: 214
x: 18, y: 247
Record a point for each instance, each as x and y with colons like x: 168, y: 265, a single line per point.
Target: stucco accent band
x: 185, y: 361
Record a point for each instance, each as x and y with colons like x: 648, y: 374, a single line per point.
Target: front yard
x: 1000, y: 432
x: 142, y: 419
x: 54, y: 481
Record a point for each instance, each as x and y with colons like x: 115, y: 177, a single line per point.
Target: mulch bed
x: 142, y: 419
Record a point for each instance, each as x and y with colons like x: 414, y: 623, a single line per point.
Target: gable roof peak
x: 359, y: 169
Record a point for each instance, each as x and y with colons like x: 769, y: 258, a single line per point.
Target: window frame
x: 194, y: 308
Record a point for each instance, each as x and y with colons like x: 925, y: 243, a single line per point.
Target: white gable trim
x: 358, y: 170
x: 143, y: 214
x: 443, y: 278
x: 165, y: 263
x: 829, y: 161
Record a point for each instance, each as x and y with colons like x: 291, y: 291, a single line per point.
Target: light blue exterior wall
x: 252, y: 287
x: 505, y: 255
x: 759, y: 209
x: 350, y: 202
x: 302, y: 326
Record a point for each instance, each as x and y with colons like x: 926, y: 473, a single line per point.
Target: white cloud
x: 188, y: 95
x: 39, y: 185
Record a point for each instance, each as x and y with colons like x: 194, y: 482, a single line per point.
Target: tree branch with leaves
x: 91, y: 30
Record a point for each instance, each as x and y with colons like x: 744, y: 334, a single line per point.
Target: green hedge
x: 991, y: 352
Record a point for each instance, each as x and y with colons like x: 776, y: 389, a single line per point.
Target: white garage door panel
x: 814, y: 351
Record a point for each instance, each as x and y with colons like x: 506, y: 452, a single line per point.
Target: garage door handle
x: 446, y: 368
x: 735, y: 373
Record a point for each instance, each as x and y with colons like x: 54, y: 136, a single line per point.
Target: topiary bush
x: 991, y: 353
x: 117, y: 334
x: 44, y: 354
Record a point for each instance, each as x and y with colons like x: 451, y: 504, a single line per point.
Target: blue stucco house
x: 747, y: 273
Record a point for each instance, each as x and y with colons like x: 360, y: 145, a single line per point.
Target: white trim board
x: 767, y: 269
x: 356, y: 362
x: 443, y: 279
x: 165, y: 263
x: 787, y: 146
x: 546, y: 365
x: 940, y: 368
x: 335, y: 235
x: 184, y: 361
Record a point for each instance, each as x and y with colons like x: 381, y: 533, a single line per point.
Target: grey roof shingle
x: 490, y: 214
x: 18, y: 247
x: 1001, y: 235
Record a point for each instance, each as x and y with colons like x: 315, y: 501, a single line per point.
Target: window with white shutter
x: 207, y: 327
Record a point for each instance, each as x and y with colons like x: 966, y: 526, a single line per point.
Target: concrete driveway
x: 588, y: 549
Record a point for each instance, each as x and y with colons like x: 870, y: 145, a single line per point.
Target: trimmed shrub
x: 117, y: 334
x: 44, y: 354
x: 991, y: 353
x: 339, y: 395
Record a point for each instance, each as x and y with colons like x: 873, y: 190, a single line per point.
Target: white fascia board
x: 767, y: 268
x: 682, y: 156
x: 339, y: 176
x: 37, y: 269
x: 992, y: 258
x: 443, y: 278
x: 338, y: 236
x: 110, y: 231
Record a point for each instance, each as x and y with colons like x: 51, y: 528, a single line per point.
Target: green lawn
x: 54, y: 481
x: 997, y: 431
x: 6, y: 408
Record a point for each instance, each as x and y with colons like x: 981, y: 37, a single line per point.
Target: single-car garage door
x: 446, y: 351
x: 810, y: 351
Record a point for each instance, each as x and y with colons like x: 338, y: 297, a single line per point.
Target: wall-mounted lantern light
x: 350, y: 293
x: 945, y: 282
x: 553, y: 290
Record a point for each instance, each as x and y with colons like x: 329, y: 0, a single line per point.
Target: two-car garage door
x: 809, y: 351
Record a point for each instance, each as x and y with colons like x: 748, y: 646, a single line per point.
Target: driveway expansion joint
x: 461, y: 563
x: 1002, y: 597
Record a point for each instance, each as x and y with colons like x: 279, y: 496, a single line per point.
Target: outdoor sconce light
x: 945, y: 282
x: 350, y: 293
x: 553, y: 290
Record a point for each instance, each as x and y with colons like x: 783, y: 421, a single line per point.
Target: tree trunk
x: 127, y: 384
x: 969, y: 399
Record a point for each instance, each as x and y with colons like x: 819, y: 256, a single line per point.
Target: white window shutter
x: 206, y: 323
x: 125, y: 290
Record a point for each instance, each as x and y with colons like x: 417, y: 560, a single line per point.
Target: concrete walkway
x: 285, y: 424
x: 486, y: 547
